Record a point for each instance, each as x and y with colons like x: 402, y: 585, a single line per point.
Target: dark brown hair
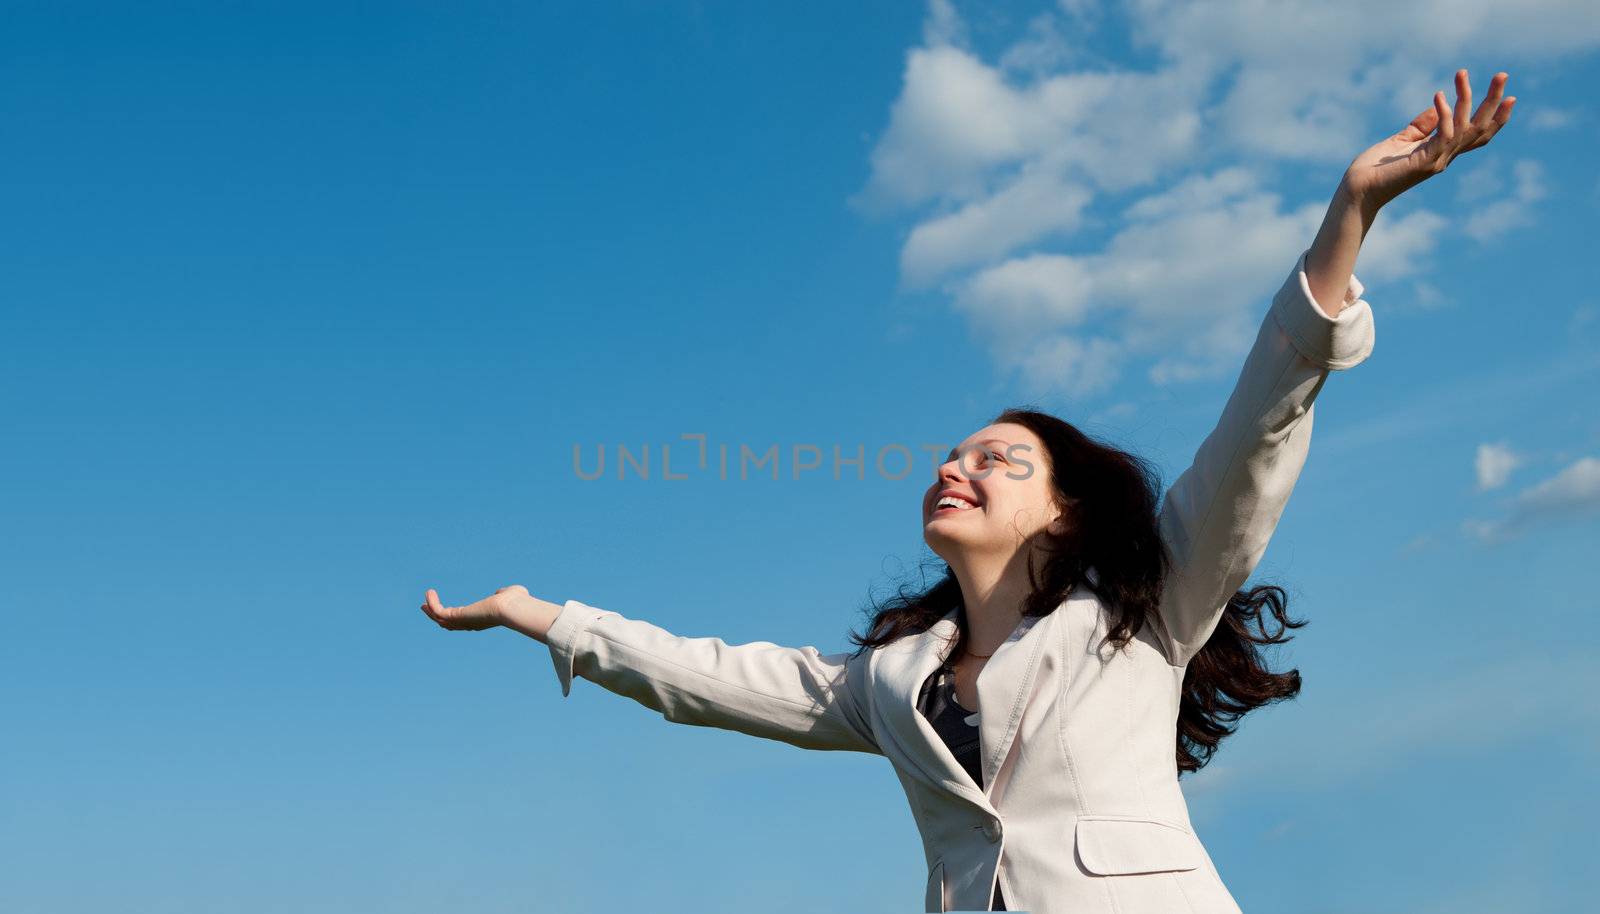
x: 1112, y: 497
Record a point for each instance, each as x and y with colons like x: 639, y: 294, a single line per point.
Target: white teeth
x: 953, y: 502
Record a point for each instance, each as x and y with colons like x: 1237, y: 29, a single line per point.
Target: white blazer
x: 1082, y: 811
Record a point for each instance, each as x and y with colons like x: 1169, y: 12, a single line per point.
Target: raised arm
x: 1219, y: 514
x: 798, y: 696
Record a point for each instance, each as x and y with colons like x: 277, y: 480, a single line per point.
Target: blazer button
x: 991, y: 829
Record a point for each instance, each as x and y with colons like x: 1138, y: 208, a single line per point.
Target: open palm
x: 1426, y: 146
x: 473, y: 617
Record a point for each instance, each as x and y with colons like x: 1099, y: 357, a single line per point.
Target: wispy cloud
x: 1508, y: 211
x: 1550, y: 118
x: 1416, y: 544
x: 1583, y: 315
x: 1494, y: 465
x: 1439, y: 406
x: 1002, y: 159
x: 1573, y: 493
x: 1401, y: 716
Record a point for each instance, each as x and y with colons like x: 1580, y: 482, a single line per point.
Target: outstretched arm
x: 1220, y: 513
x: 798, y: 696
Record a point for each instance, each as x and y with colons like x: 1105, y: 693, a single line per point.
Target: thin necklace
x: 979, y: 656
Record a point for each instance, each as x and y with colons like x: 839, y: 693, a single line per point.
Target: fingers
x: 1427, y: 120
x: 484, y: 613
x: 1491, y: 103
x: 1463, y: 100
x: 1492, y: 114
x: 1447, y: 126
x: 1504, y: 114
x: 436, y: 611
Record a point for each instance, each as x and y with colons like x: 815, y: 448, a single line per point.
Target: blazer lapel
x: 899, y: 671
x: 1004, y: 684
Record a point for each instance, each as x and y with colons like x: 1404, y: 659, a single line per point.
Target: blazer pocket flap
x: 1116, y: 845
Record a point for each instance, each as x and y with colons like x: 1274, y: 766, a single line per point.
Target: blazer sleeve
x: 798, y: 696
x: 1219, y: 514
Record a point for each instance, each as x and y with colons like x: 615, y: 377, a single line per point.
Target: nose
x: 949, y: 471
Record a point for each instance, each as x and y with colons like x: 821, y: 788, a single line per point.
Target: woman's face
x: 1002, y: 470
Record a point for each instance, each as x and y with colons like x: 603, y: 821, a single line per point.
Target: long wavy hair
x: 1112, y: 497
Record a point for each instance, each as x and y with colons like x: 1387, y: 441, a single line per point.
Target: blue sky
x: 306, y: 307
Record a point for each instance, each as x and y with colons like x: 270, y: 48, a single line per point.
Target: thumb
x: 437, y: 611
x: 1427, y: 120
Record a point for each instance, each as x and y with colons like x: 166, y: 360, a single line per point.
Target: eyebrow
x: 952, y: 454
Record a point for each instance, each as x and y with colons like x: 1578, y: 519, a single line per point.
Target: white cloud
x: 1400, y: 245
x: 1575, y: 488
x: 1427, y: 297
x: 1548, y: 118
x: 1416, y: 544
x: 1573, y: 493
x: 1045, y: 48
x: 943, y: 25
x: 1494, y: 465
x: 1304, y: 76
x: 1513, y: 211
x: 1031, y: 206
x: 955, y: 119
x: 1478, y: 180
x: 1195, y: 193
x: 960, y: 127
x: 1159, y: 283
x: 1118, y: 411
x: 1001, y: 160
x: 1084, y: 12
x: 1008, y: 302
x: 1068, y: 364
x: 1162, y: 286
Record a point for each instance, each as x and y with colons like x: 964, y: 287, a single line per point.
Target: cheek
x: 1030, y: 505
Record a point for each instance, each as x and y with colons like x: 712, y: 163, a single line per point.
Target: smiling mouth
x: 950, y: 505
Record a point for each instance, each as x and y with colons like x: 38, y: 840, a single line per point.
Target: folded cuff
x: 1332, y: 343
x: 562, y: 638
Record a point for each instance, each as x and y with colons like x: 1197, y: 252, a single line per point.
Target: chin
x: 943, y: 542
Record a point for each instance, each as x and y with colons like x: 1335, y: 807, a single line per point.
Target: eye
x: 996, y: 455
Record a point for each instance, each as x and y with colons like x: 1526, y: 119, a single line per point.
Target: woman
x: 1086, y: 646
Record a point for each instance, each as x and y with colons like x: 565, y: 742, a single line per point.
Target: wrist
x: 1363, y: 202
x: 530, y: 615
